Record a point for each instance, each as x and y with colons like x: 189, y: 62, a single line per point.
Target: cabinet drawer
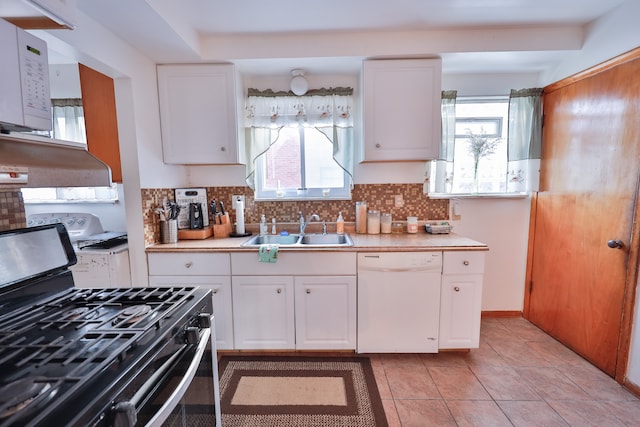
x: 295, y: 263
x: 189, y: 264
x: 463, y: 263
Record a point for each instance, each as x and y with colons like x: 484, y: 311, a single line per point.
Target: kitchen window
x: 300, y: 147
x: 490, y: 146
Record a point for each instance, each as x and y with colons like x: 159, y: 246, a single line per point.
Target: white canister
x: 412, y: 224
x: 385, y: 223
x: 373, y: 222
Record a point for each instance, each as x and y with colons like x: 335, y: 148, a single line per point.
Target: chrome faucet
x: 303, y: 225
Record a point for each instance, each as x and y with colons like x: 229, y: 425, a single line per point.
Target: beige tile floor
x: 519, y: 376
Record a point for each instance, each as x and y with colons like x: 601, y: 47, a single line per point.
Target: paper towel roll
x: 239, y: 216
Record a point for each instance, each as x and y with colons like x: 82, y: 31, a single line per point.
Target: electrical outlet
x: 234, y: 200
x: 398, y: 201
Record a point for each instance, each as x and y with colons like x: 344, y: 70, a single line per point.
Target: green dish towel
x: 268, y: 253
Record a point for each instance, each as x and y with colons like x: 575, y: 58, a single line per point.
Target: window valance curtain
x: 439, y: 173
x: 524, y: 140
x: 327, y: 110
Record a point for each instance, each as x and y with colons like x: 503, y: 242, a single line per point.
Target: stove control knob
x: 204, y: 320
x: 192, y: 335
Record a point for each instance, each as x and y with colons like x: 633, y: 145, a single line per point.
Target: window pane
x: 489, y: 119
x: 282, y: 162
x: 321, y: 171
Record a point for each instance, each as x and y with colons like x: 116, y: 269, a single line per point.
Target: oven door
x: 184, y: 391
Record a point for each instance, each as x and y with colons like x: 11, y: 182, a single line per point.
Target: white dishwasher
x: 398, y: 302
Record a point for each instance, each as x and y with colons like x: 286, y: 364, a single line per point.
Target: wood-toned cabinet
x: 461, y: 300
x: 198, y: 113
x: 101, y: 122
x: 207, y: 270
x: 402, y: 118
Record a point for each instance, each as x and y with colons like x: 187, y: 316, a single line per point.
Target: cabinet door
x: 101, y: 122
x: 221, y: 294
x: 325, y: 312
x: 460, y: 306
x: 263, y: 312
x: 198, y: 113
x: 402, y: 109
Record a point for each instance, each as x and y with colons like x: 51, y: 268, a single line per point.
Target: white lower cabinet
x: 207, y: 270
x: 461, y: 300
x: 304, y: 301
x: 325, y: 310
x: 263, y: 312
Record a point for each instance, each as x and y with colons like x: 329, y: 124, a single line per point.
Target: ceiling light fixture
x: 298, y: 83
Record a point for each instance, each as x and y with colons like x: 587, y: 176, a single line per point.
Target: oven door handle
x: 173, y: 400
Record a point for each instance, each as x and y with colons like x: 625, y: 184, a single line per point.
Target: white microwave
x: 25, y: 101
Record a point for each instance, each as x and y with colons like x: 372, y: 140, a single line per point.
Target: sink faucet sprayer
x: 303, y: 222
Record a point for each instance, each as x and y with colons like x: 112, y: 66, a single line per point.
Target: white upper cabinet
x: 198, y: 114
x: 402, y: 109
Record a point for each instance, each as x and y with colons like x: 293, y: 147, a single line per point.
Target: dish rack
x: 444, y: 228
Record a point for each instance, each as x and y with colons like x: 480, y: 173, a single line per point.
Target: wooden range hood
x: 39, y: 14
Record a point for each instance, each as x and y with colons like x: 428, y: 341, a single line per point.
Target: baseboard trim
x: 500, y: 314
x: 631, y: 387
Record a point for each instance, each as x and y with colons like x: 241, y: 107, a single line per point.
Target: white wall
x: 613, y: 34
x: 503, y: 224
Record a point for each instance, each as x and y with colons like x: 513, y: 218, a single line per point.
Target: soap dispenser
x: 340, y: 224
x: 301, y: 222
x: 263, y: 225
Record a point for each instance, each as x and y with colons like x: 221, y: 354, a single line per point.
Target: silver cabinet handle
x: 188, y: 264
x: 377, y: 145
x: 308, y: 291
x: 279, y: 291
x: 456, y: 288
x: 465, y: 262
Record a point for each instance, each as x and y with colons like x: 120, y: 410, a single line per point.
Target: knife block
x: 223, y: 229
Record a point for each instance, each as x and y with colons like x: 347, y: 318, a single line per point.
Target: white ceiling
x: 176, y: 30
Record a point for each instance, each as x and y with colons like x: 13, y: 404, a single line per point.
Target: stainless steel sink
x: 301, y: 241
x: 258, y: 240
x: 326, y: 239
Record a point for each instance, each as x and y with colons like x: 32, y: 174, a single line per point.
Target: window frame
x: 301, y: 194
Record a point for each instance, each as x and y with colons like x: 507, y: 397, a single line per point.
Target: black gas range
x: 97, y: 357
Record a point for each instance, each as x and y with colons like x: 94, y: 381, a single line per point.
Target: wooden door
x: 589, y: 178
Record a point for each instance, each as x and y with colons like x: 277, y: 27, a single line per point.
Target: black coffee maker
x: 196, y: 220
